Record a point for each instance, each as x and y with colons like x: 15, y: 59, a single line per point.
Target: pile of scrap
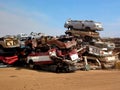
x: 96, y: 51
x: 81, y: 48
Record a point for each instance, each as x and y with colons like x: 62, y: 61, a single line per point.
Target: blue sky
x: 49, y: 16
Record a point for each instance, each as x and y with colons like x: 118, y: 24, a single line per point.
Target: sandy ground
x: 24, y: 79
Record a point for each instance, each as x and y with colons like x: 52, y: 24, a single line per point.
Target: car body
x: 45, y: 57
x: 9, y: 60
x: 63, y: 42
x: 82, y: 33
x: 83, y: 25
x: 50, y: 58
x: 9, y: 42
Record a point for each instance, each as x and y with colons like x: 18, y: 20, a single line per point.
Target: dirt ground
x: 24, y: 79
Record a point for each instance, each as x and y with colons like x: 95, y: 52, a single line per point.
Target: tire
x: 66, y: 68
x: 70, y: 28
x: 69, y: 68
x: 36, y: 67
x: 70, y: 34
x: 31, y: 64
x: 87, y: 29
x: 59, y: 68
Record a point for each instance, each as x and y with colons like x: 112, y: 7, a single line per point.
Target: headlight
x: 9, y: 43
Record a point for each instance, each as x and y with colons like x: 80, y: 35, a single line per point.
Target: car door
x: 77, y: 25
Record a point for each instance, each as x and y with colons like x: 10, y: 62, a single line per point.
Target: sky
x: 49, y: 16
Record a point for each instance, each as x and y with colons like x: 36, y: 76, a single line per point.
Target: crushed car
x: 8, y: 49
x: 86, y: 25
x: 54, y: 55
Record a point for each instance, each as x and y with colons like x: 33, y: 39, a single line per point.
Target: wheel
x: 70, y: 28
x: 67, y: 69
x: 87, y: 28
x: 59, y: 68
x: 31, y: 64
x: 70, y: 34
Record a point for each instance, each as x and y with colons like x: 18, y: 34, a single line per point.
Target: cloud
x: 15, y: 21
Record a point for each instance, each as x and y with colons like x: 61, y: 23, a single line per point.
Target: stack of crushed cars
x: 8, y: 50
x: 93, y: 52
x: 81, y: 48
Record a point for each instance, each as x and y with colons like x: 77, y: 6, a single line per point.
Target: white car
x: 83, y: 25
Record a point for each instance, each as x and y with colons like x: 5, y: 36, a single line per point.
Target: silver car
x: 83, y: 25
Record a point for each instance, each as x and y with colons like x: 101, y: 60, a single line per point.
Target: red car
x: 50, y: 58
x: 8, y: 59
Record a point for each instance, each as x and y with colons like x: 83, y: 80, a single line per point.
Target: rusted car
x: 8, y: 49
x: 52, y: 61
